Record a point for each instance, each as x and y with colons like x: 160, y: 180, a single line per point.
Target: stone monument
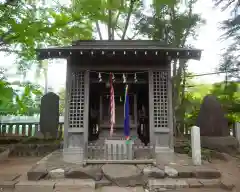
x: 49, y: 115
x: 213, y: 125
x: 211, y: 118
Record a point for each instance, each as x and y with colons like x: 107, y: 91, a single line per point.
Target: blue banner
x: 126, y: 114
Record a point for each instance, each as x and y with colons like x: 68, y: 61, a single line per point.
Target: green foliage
x: 206, y: 154
x: 228, y: 95
x: 16, y: 102
x: 169, y: 24
x: 61, y: 95
x: 25, y: 27
x: 231, y: 28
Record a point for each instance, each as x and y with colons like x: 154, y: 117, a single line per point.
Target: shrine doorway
x: 99, y: 106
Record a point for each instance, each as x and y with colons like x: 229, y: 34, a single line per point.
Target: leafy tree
x: 231, y: 32
x: 61, y: 95
x: 23, y: 100
x: 228, y: 96
x: 173, y: 27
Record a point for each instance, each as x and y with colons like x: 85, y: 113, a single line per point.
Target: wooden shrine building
x: 145, y: 66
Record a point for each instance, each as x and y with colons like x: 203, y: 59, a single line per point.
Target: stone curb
x: 39, y: 170
x: 46, y: 185
x: 7, y: 185
x: 156, y: 172
x: 200, y: 172
x: 170, y: 183
x: 63, y: 185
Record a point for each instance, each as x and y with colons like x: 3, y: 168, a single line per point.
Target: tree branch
x: 9, y: 50
x: 114, y: 25
x: 189, y: 27
x: 128, y: 19
x: 122, y: 31
x: 99, y: 30
x: 109, y: 24
x: 133, y: 37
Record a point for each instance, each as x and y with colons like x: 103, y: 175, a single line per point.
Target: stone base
x: 73, y: 155
x: 221, y: 144
x: 164, y: 155
x: 168, y: 176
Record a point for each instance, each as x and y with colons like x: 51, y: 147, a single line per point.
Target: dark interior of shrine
x: 99, y: 102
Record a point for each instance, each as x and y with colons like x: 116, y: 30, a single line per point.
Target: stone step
x: 39, y: 171
x: 169, y: 183
x: 87, y: 185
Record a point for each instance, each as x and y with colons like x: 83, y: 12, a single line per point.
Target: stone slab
x: 8, y: 184
x: 9, y: 177
x: 102, y: 183
x: 75, y: 183
x: 167, y: 183
x: 171, y: 172
x: 227, y: 183
x: 194, y: 183
x: 184, y: 171
x: 154, y: 172
x: 120, y: 189
x: 210, y: 183
x: 89, y: 172
x: 127, y: 175
x: 206, y: 173
x: 36, y: 186
x: 56, y: 174
x: 37, y: 172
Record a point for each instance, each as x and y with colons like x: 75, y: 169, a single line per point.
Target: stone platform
x: 158, y: 176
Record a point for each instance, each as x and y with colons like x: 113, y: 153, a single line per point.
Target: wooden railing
x: 24, y: 126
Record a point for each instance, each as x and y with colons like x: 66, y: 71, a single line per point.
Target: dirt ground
x: 230, y: 170
x: 17, y: 165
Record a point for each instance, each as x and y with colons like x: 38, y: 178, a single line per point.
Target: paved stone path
x: 16, y: 169
x: 119, y: 189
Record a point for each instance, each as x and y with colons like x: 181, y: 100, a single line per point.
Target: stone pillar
x: 196, y: 145
x: 77, y: 118
x: 67, y: 103
x: 160, y: 132
x: 237, y: 131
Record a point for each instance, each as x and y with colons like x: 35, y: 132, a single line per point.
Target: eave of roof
x: 125, y: 47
